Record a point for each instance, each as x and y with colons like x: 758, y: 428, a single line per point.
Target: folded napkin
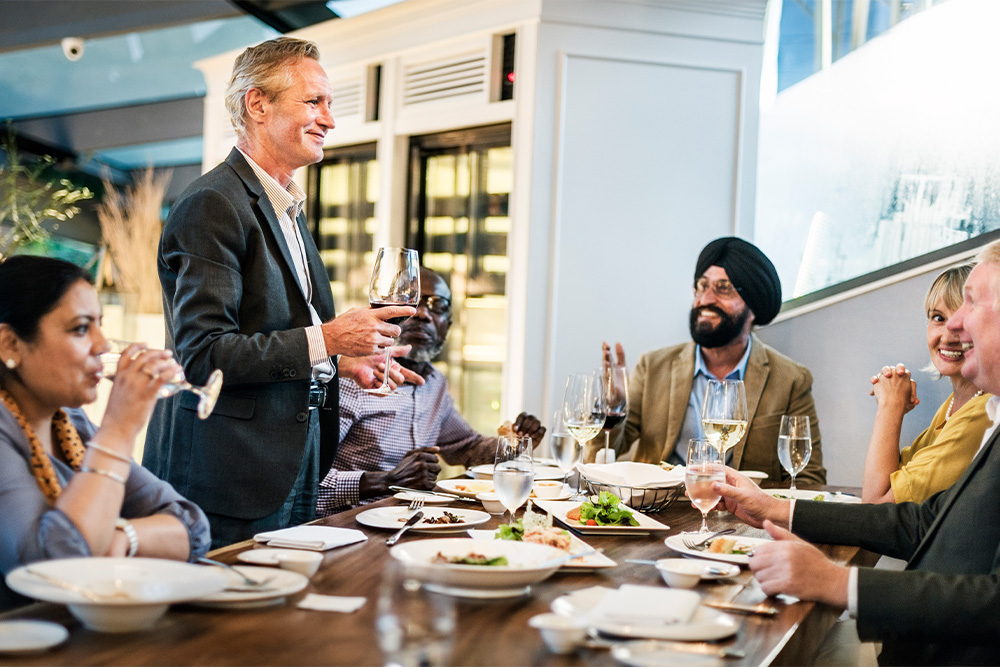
x: 344, y: 605
x: 630, y: 473
x: 316, y: 538
x: 646, y: 606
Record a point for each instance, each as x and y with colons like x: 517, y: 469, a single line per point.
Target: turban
x: 749, y: 270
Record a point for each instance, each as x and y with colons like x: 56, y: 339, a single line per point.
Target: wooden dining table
x: 487, y: 632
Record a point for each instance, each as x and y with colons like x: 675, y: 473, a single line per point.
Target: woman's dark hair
x: 30, y: 288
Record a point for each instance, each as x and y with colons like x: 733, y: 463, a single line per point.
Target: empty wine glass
x: 704, y: 466
x: 415, y: 624
x: 583, y: 409
x: 395, y: 282
x: 614, y: 386
x: 513, y: 473
x: 794, y: 444
x: 563, y: 446
x: 724, y: 413
x: 208, y: 394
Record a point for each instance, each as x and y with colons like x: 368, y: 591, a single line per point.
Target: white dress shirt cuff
x: 852, y: 592
x: 317, y: 348
x: 791, y: 514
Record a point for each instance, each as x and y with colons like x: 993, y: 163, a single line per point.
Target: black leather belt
x: 317, y: 395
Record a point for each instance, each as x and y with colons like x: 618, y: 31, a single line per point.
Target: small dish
x: 547, y: 489
x: 305, y: 563
x: 560, y: 633
x: 491, y: 502
x: 24, y: 637
x: 680, y: 572
x: 756, y: 476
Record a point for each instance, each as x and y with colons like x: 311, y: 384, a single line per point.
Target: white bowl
x: 547, y: 489
x: 525, y: 563
x: 560, y: 633
x: 756, y: 476
x: 304, y: 562
x: 150, y: 586
x: 680, y: 572
x: 491, y: 502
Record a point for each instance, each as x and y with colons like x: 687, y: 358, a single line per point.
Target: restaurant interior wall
x: 633, y: 141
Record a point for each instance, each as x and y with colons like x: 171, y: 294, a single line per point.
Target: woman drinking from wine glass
x: 941, y: 453
x: 68, y: 488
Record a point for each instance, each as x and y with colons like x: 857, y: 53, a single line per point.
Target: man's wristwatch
x: 130, y: 534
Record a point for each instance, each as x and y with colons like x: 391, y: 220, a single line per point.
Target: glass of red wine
x: 395, y: 282
x: 614, y: 385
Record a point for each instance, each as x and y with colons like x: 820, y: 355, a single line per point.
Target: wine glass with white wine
x: 564, y: 448
x: 724, y: 413
x: 794, y: 444
x: 584, y: 409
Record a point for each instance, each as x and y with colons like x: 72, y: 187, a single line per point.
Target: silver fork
x: 701, y: 543
x: 416, y: 504
x: 248, y: 581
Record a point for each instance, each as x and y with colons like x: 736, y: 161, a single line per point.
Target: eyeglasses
x: 722, y: 288
x: 438, y: 305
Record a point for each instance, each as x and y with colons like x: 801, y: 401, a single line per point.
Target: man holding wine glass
x: 736, y: 287
x: 245, y: 291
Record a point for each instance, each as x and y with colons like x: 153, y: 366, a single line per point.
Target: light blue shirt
x: 692, y: 428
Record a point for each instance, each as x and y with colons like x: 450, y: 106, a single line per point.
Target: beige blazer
x: 659, y: 389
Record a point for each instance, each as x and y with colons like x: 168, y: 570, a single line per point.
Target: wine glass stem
x: 704, y: 522
x: 385, y: 374
x: 792, y: 487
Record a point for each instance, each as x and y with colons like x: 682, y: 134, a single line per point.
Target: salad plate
x: 393, y: 518
x: 812, y: 494
x: 559, y: 508
x: 592, y: 561
x: 676, y: 542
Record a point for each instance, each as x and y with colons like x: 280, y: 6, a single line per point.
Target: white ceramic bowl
x: 304, y: 562
x: 680, y: 572
x: 491, y: 502
x: 523, y: 569
x: 149, y: 585
x: 547, y: 489
x: 560, y: 633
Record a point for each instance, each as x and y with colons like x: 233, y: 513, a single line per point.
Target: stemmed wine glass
x: 794, y: 444
x: 563, y: 446
x: 395, y: 282
x: 583, y: 409
x: 724, y: 413
x: 704, y: 466
x: 208, y: 394
x: 513, y: 473
x: 614, y: 385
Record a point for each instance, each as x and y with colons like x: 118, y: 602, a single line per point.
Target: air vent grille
x: 454, y: 76
x: 348, y: 97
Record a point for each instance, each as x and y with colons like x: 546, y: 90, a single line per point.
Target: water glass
x: 415, y: 625
x: 794, y: 444
x: 513, y: 473
x: 704, y: 466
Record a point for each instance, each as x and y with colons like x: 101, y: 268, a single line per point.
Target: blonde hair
x: 262, y: 67
x: 947, y: 287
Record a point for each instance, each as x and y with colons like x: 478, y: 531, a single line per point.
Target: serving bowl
x: 527, y: 563
x: 116, y: 594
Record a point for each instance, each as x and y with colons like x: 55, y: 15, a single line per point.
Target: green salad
x: 606, y: 510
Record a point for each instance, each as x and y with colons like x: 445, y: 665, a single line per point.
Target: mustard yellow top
x: 939, y: 455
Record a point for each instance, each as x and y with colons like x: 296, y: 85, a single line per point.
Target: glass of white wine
x: 208, y: 394
x: 794, y: 444
x: 584, y: 409
x: 564, y: 448
x: 513, y: 473
x: 724, y: 413
x: 704, y: 466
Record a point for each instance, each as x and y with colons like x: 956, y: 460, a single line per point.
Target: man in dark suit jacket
x: 944, y: 608
x: 245, y: 291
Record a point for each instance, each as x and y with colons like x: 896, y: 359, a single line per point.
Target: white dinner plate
x: 393, y: 518
x: 813, y: 494
x: 657, y: 654
x: 485, y: 471
x: 706, y: 624
x: 559, y: 508
x: 20, y: 637
x: 592, y: 562
x: 280, y: 584
x: 469, y: 488
x: 428, y: 498
x: 676, y: 542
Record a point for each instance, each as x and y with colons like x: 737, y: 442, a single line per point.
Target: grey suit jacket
x: 660, y: 387
x: 232, y: 301
x: 944, y: 608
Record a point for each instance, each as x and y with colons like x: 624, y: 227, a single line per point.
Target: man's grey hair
x: 262, y: 67
x: 991, y: 255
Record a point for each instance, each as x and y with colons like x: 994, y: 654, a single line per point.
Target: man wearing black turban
x: 735, y: 288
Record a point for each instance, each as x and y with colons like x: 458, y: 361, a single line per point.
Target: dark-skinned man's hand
x: 418, y: 470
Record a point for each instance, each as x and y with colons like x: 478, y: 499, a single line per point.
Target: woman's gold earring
x: 11, y: 364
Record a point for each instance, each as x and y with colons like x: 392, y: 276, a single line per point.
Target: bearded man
x: 396, y: 440
x: 736, y: 287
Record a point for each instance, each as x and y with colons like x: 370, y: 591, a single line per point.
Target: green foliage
x: 28, y: 198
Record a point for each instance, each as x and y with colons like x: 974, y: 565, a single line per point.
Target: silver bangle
x: 110, y: 474
x: 110, y: 452
x: 130, y: 535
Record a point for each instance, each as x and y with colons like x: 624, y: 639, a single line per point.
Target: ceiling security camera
x: 72, y: 48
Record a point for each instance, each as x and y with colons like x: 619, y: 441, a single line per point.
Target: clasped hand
x: 894, y: 385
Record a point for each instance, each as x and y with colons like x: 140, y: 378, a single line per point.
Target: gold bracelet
x: 110, y: 452
x: 110, y: 474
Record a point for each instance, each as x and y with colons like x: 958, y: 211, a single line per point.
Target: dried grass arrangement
x: 131, y: 226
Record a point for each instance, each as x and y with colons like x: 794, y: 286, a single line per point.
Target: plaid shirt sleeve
x: 459, y: 443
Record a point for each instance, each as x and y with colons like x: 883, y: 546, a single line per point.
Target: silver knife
x: 762, y: 609
x: 440, y: 494
x: 406, y: 526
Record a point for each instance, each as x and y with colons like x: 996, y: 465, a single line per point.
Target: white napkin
x: 344, y: 605
x: 316, y: 538
x: 647, y: 606
x: 630, y: 473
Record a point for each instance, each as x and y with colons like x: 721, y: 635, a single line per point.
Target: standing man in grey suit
x: 943, y: 608
x: 245, y: 290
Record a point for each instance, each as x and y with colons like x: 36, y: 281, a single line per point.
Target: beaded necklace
x: 947, y: 415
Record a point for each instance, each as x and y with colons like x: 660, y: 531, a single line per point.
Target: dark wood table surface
x: 490, y: 632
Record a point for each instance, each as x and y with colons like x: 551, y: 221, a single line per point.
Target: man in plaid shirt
x: 396, y: 439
